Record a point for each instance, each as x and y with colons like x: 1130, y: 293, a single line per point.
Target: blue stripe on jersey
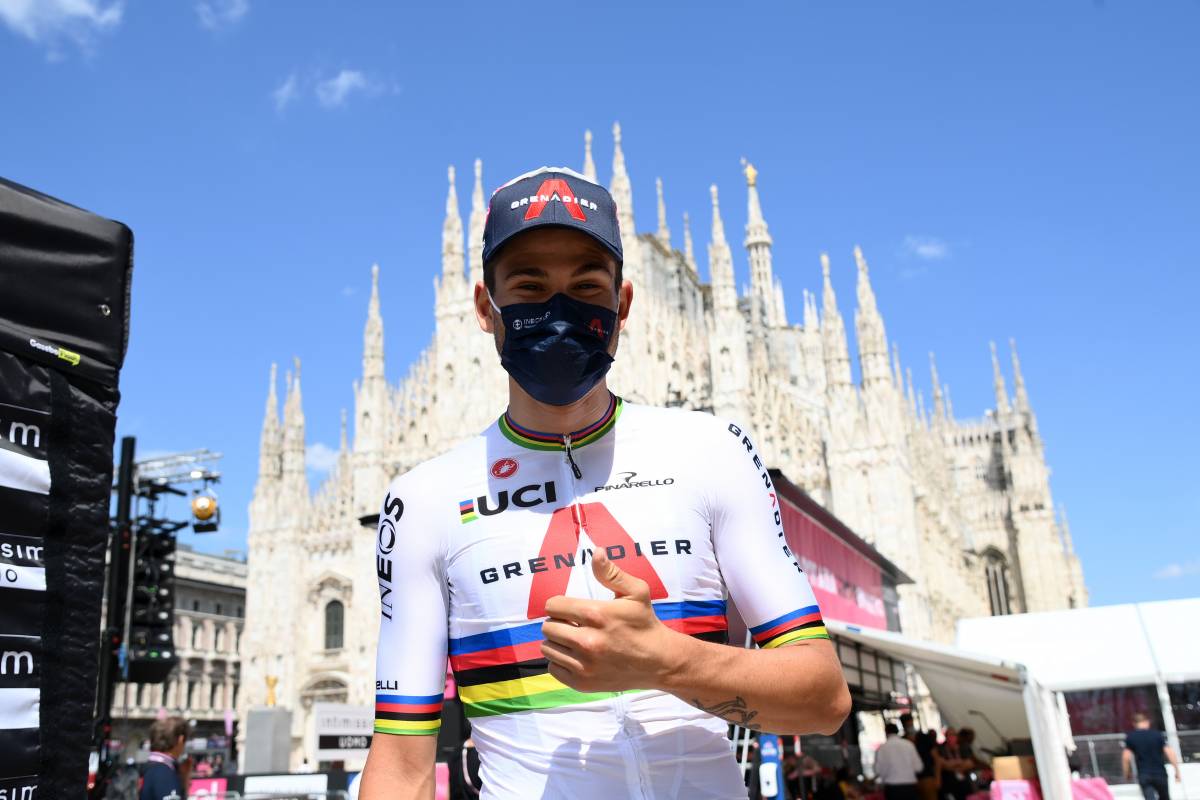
x: 689, y: 608
x: 411, y: 699
x: 505, y: 637
x: 800, y: 612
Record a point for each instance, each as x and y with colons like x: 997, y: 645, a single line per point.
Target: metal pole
x: 111, y: 641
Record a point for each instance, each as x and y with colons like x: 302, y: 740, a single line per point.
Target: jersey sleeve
x: 761, y: 574
x: 410, y: 670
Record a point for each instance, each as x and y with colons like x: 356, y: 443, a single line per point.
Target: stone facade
x: 210, y: 602
x: 964, y: 507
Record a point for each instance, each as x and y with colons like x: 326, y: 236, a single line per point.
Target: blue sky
x: 1017, y: 169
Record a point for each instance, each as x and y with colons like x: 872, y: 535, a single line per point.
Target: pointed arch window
x: 996, y: 573
x: 335, y: 614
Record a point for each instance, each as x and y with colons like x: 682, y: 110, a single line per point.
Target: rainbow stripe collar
x: 535, y: 440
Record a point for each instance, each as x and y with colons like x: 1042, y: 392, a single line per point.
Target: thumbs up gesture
x: 608, y: 645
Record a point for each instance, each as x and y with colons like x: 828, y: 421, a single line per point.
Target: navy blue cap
x: 551, y: 196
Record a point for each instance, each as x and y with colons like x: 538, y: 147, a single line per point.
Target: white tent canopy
x: 1095, y: 648
x: 999, y: 699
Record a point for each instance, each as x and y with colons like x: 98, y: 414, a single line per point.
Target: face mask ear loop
x: 493, y: 302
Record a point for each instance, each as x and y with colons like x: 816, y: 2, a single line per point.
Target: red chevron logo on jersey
x: 555, y: 189
x: 563, y: 537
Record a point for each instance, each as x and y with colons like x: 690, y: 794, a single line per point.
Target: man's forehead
x: 547, y: 246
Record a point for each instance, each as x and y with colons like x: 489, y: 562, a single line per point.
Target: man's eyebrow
x: 527, y: 271
x: 591, y: 266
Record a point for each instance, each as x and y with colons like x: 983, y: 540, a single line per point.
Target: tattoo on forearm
x: 734, y: 711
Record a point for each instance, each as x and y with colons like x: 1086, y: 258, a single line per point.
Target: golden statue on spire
x: 751, y: 172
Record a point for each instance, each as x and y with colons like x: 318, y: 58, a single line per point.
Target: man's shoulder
x: 660, y: 422
x: 439, y: 474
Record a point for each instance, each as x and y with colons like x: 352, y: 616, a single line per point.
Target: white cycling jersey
x: 472, y: 543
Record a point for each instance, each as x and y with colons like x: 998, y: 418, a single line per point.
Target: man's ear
x: 624, y: 301
x: 483, y: 308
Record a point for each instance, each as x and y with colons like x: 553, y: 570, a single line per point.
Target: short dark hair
x: 906, y: 717
x: 890, y: 729
x: 164, y: 733
x: 1140, y: 716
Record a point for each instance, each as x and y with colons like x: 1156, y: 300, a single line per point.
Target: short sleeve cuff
x: 803, y: 623
x: 408, y: 714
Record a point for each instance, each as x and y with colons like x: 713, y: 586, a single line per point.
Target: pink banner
x: 207, y: 789
x: 848, y: 585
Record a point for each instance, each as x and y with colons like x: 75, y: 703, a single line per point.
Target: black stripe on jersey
x: 502, y: 672
x: 23, y: 512
x: 720, y: 637
x: 412, y: 716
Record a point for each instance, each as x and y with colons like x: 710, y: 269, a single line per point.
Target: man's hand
x: 608, y: 645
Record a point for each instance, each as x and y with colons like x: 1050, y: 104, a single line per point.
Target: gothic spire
x: 373, y: 333
x: 452, y: 234
x: 343, y: 445
x: 664, y: 233
x: 833, y: 334
x: 720, y: 260
x: 912, y: 402
x: 622, y: 191
x: 1065, y: 528
x: 271, y: 443
x: 949, y: 403
x: 475, y: 227
x: 998, y: 383
x: 939, y: 407
x: 758, y: 248
x: 810, y: 310
x: 1022, y: 399
x: 293, y: 432
x: 897, y: 375
x: 589, y: 166
x: 688, y: 254
x: 872, y: 339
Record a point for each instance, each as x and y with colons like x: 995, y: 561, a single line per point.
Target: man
x: 161, y: 779
x: 575, y: 558
x: 907, y: 731
x: 896, y: 765
x: 1148, y: 748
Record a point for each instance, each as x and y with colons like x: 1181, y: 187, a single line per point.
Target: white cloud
x: 50, y: 21
x: 320, y: 457
x: 286, y: 93
x: 347, y: 291
x: 927, y: 248
x: 333, y: 92
x: 215, y: 14
x: 1178, y: 570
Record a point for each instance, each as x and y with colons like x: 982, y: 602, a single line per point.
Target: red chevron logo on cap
x: 555, y: 189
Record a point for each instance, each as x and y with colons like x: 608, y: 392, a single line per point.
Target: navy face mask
x: 556, y: 350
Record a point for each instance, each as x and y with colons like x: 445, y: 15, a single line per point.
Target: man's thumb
x: 618, y: 580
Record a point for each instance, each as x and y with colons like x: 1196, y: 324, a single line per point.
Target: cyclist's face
x: 540, y: 263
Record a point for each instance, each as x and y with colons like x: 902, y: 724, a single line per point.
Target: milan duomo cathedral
x: 962, y: 506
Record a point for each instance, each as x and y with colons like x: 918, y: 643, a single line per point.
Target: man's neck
x: 544, y: 418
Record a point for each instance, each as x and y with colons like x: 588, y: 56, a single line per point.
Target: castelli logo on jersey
x: 505, y: 468
x: 554, y: 190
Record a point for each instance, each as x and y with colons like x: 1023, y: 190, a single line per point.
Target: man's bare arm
x: 794, y: 689
x: 1127, y: 763
x: 399, y: 768
x: 1170, y: 754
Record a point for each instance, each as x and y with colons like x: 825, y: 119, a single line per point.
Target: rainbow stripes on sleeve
x: 408, y: 714
x: 503, y: 671
x: 803, y: 623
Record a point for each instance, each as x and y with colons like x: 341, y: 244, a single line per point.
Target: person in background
x: 953, y: 777
x: 907, y: 731
x: 931, y: 761
x: 1148, y: 747
x: 464, y: 772
x: 896, y: 765
x: 167, y: 770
